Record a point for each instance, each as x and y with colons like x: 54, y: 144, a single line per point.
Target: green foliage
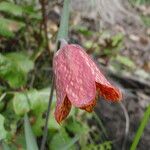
x: 19, y: 10
x: 9, y: 26
x: 104, y: 146
x: 146, y: 20
x: 62, y: 141
x: 114, y: 45
x: 141, y: 128
x: 11, y: 8
x: 83, y: 30
x: 139, y: 2
x: 32, y: 99
x: 30, y: 139
x: 5, y: 146
x: 14, y: 68
x: 3, y: 132
x: 126, y: 61
x: 22, y: 97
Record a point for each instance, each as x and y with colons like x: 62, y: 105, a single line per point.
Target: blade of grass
x: 99, y: 121
x: 29, y: 136
x: 141, y: 128
x: 5, y: 146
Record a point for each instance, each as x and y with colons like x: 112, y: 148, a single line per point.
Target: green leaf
x: 5, y: 31
x: 30, y: 139
x: 5, y: 146
x: 61, y: 140
x: 17, y: 10
x: 20, y: 103
x: 11, y: 8
x: 141, y: 128
x: 116, y: 39
x: 22, y: 60
x: 125, y: 61
x: 8, y: 27
x: 3, y: 132
x: 76, y: 127
x: 36, y: 101
x: 64, y: 23
x: 32, y: 100
x: 14, y: 68
x: 84, y: 30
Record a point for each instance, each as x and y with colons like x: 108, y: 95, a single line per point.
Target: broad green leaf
x: 36, y: 101
x: 21, y: 60
x: 3, y: 132
x: 61, y: 140
x: 31, y: 12
x: 30, y: 139
x: 11, y: 8
x: 32, y: 100
x: 64, y: 23
x: 8, y: 27
x: 20, y: 103
x: 14, y: 70
x: 18, y: 10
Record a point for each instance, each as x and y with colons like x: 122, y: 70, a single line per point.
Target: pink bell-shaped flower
x: 78, y: 80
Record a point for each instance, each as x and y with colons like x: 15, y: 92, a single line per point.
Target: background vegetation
x: 27, y: 46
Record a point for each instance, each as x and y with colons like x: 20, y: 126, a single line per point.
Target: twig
x: 44, y: 3
x: 47, y: 116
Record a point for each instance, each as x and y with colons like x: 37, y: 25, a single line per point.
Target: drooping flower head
x: 78, y: 80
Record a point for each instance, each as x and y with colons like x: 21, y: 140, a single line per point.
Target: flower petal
x: 62, y: 76
x: 62, y: 111
x: 81, y: 88
x: 109, y: 92
x: 106, y: 90
x: 90, y: 107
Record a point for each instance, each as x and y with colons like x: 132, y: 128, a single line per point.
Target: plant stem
x: 47, y: 115
x: 44, y: 4
x: 61, y: 37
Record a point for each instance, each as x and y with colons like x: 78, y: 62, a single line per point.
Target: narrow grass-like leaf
x: 29, y: 136
x: 5, y: 146
x: 141, y: 128
x: 63, y: 29
x: 3, y: 132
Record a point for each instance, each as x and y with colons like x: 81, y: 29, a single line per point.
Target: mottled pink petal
x: 62, y: 76
x: 81, y: 89
x: 106, y: 90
